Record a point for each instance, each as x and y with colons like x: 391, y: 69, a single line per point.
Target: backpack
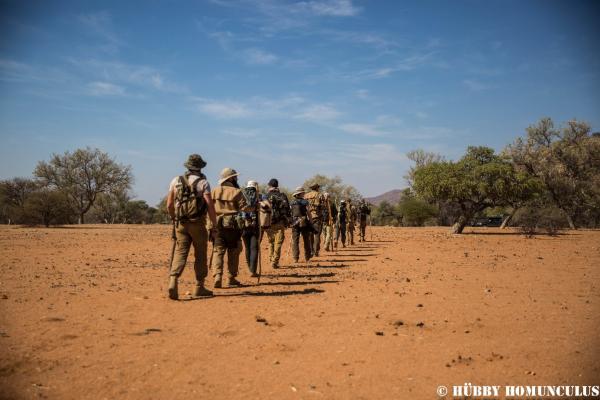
x: 280, y: 209
x: 316, y: 206
x: 190, y: 206
x: 299, y: 213
x: 251, y: 197
x: 342, y: 213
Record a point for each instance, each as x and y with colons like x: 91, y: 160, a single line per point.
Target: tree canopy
x: 83, y: 175
x: 480, y: 179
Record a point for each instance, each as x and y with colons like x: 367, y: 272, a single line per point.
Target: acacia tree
x: 480, y: 179
x: 421, y: 158
x: 13, y: 195
x: 566, y: 160
x: 83, y: 175
x: 334, y: 186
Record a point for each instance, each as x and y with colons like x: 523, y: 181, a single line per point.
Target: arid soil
x: 84, y: 315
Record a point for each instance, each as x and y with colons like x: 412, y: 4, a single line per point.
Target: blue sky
x: 287, y: 89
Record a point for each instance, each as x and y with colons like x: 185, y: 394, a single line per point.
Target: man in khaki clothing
x: 229, y: 201
x: 315, y: 209
x: 351, y: 221
x: 280, y: 219
x: 188, y: 201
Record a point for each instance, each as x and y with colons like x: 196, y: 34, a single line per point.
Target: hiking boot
x: 295, y: 261
x: 202, y: 291
x: 274, y: 265
x: 233, y: 282
x: 173, y: 295
x: 217, y: 283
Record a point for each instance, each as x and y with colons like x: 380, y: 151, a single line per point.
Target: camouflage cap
x: 195, y: 162
x: 315, y: 186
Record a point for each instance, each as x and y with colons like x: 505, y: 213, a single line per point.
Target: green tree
x: 83, y: 175
x: 48, y: 207
x: 335, y: 187
x: 13, y: 195
x: 421, y: 158
x: 566, y: 161
x: 415, y: 211
x: 480, y: 179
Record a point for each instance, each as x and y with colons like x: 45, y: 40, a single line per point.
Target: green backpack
x: 189, y: 206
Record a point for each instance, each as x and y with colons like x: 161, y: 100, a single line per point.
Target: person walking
x: 251, y: 228
x: 189, y: 200
x: 301, y: 225
x: 315, y: 209
x: 229, y: 202
x: 341, y: 223
x: 328, y: 219
x: 363, y: 214
x: 351, y: 218
x: 280, y: 219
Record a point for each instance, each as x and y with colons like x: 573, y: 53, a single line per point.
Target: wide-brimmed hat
x: 227, y: 173
x: 299, y: 190
x: 195, y: 162
x: 252, y: 184
x: 315, y: 186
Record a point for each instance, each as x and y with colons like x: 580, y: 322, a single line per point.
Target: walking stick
x: 258, y: 252
x: 212, y: 248
x: 174, y: 238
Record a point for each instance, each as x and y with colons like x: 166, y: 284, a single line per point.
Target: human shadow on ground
x: 275, y: 293
x: 292, y: 283
x: 342, y: 260
x: 297, y: 275
x: 352, y: 255
x: 246, y: 293
x: 311, y: 266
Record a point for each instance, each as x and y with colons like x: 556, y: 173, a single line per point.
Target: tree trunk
x: 508, y: 218
x: 81, y: 219
x: 570, y: 221
x: 460, y: 224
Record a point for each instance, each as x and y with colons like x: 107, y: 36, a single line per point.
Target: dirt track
x: 84, y: 314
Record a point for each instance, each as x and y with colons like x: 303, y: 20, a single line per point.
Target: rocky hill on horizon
x: 392, y: 197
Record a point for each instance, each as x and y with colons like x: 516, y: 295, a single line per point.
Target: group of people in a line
x: 229, y: 215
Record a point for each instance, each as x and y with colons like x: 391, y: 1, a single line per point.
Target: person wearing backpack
x: 363, y: 212
x: 327, y: 223
x: 315, y: 209
x: 188, y: 201
x: 301, y: 225
x: 351, y: 221
x: 229, y: 202
x: 251, y: 230
x: 341, y: 223
x: 280, y: 219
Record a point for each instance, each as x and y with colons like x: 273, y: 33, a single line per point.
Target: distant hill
x: 393, y: 196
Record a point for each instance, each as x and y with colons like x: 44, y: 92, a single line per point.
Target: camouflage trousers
x: 350, y: 233
x: 276, y: 235
x: 227, y: 241
x: 328, y: 230
x: 363, y: 230
x: 306, y: 235
x: 190, y: 234
x: 315, y: 238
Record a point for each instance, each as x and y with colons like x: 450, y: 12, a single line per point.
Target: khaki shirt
x: 228, y: 199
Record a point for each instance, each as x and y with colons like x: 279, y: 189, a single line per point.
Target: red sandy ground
x: 84, y: 314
